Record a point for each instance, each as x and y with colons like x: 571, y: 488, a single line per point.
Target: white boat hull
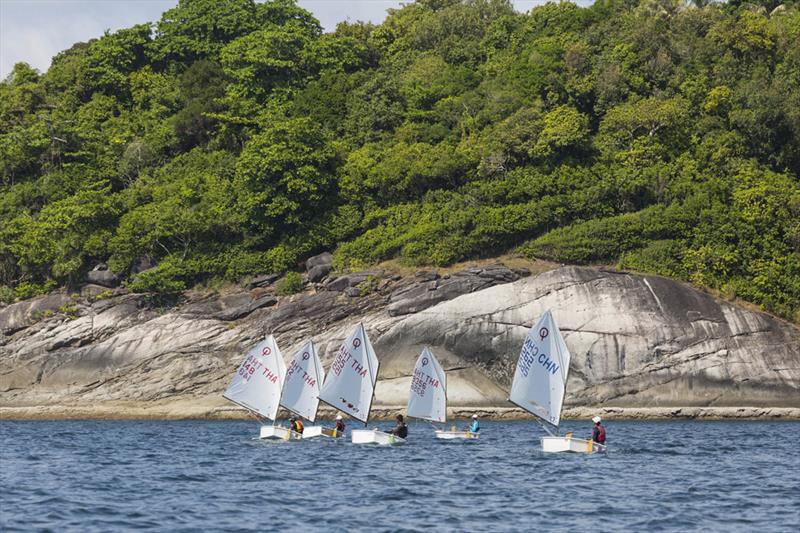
x: 451, y: 435
x: 312, y: 431
x: 569, y: 444
x: 278, y: 433
x: 373, y: 436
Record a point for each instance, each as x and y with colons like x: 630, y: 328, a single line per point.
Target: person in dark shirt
x: 400, y: 429
x: 598, y: 432
x: 339, y: 426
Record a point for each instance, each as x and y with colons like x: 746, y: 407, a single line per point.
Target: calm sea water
x: 188, y: 476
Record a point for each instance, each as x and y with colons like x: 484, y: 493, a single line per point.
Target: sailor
x: 598, y: 432
x: 339, y: 426
x: 296, y: 425
x: 475, y: 426
x: 400, y: 429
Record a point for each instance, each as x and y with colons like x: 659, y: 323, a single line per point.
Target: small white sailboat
x: 350, y: 386
x: 428, y: 397
x: 257, y: 386
x: 301, y: 387
x: 540, y: 382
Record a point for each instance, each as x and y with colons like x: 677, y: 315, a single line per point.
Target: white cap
x: 338, y: 417
x: 596, y: 420
x: 474, y: 416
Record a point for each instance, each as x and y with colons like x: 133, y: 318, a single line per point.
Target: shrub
x: 160, y: 280
x: 606, y: 238
x: 7, y: 294
x: 29, y: 290
x: 291, y: 283
x: 661, y: 257
x: 108, y: 293
x: 71, y: 311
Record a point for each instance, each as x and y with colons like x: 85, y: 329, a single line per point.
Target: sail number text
x: 420, y: 382
x: 530, y: 354
x: 253, y: 365
x: 343, y: 359
x: 309, y: 380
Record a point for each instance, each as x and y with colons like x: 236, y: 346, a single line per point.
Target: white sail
x: 428, y: 398
x: 258, y: 382
x: 350, y: 382
x: 303, y: 379
x: 541, y: 376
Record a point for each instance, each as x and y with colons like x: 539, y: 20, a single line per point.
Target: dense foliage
x: 234, y: 137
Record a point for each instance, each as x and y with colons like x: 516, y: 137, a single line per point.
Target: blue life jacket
x: 475, y: 427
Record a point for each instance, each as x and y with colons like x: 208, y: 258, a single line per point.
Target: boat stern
x: 373, y: 436
x: 278, y: 433
x: 452, y: 435
x: 556, y: 444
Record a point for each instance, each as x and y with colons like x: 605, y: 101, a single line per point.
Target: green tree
x: 283, y: 173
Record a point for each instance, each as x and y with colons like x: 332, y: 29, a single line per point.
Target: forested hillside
x: 231, y: 138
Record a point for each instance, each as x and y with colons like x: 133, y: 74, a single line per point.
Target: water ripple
x: 186, y: 476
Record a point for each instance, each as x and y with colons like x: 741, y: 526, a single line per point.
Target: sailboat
x: 350, y: 386
x: 540, y: 382
x: 301, y: 387
x: 257, y: 386
x: 428, y: 397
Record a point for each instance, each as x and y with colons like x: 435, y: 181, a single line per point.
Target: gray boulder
x: 231, y: 306
x: 325, y: 258
x: 353, y: 279
x: 318, y: 272
x: 415, y: 298
x: 237, y: 306
x: 263, y: 280
x: 21, y: 315
x: 100, y: 275
x: 426, y: 275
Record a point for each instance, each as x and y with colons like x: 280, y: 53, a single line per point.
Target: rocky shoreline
x: 643, y: 347
x: 194, y: 411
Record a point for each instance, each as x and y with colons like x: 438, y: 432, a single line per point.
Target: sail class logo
x: 349, y: 405
x: 266, y: 351
x: 306, y: 355
x: 543, y: 333
x: 425, y: 361
x: 356, y: 342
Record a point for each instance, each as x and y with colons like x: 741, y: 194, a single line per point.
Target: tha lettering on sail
x: 253, y: 365
x: 345, y: 359
x: 420, y: 381
x: 530, y: 354
x: 307, y: 379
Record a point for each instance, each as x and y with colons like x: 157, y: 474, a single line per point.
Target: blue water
x: 188, y: 476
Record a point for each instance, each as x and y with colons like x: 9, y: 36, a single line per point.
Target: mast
x: 320, y: 375
x: 368, y: 346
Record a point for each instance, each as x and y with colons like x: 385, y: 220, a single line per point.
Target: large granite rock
x: 263, y: 280
x: 636, y: 341
x: 20, y: 315
x: 351, y: 280
x: 417, y: 297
